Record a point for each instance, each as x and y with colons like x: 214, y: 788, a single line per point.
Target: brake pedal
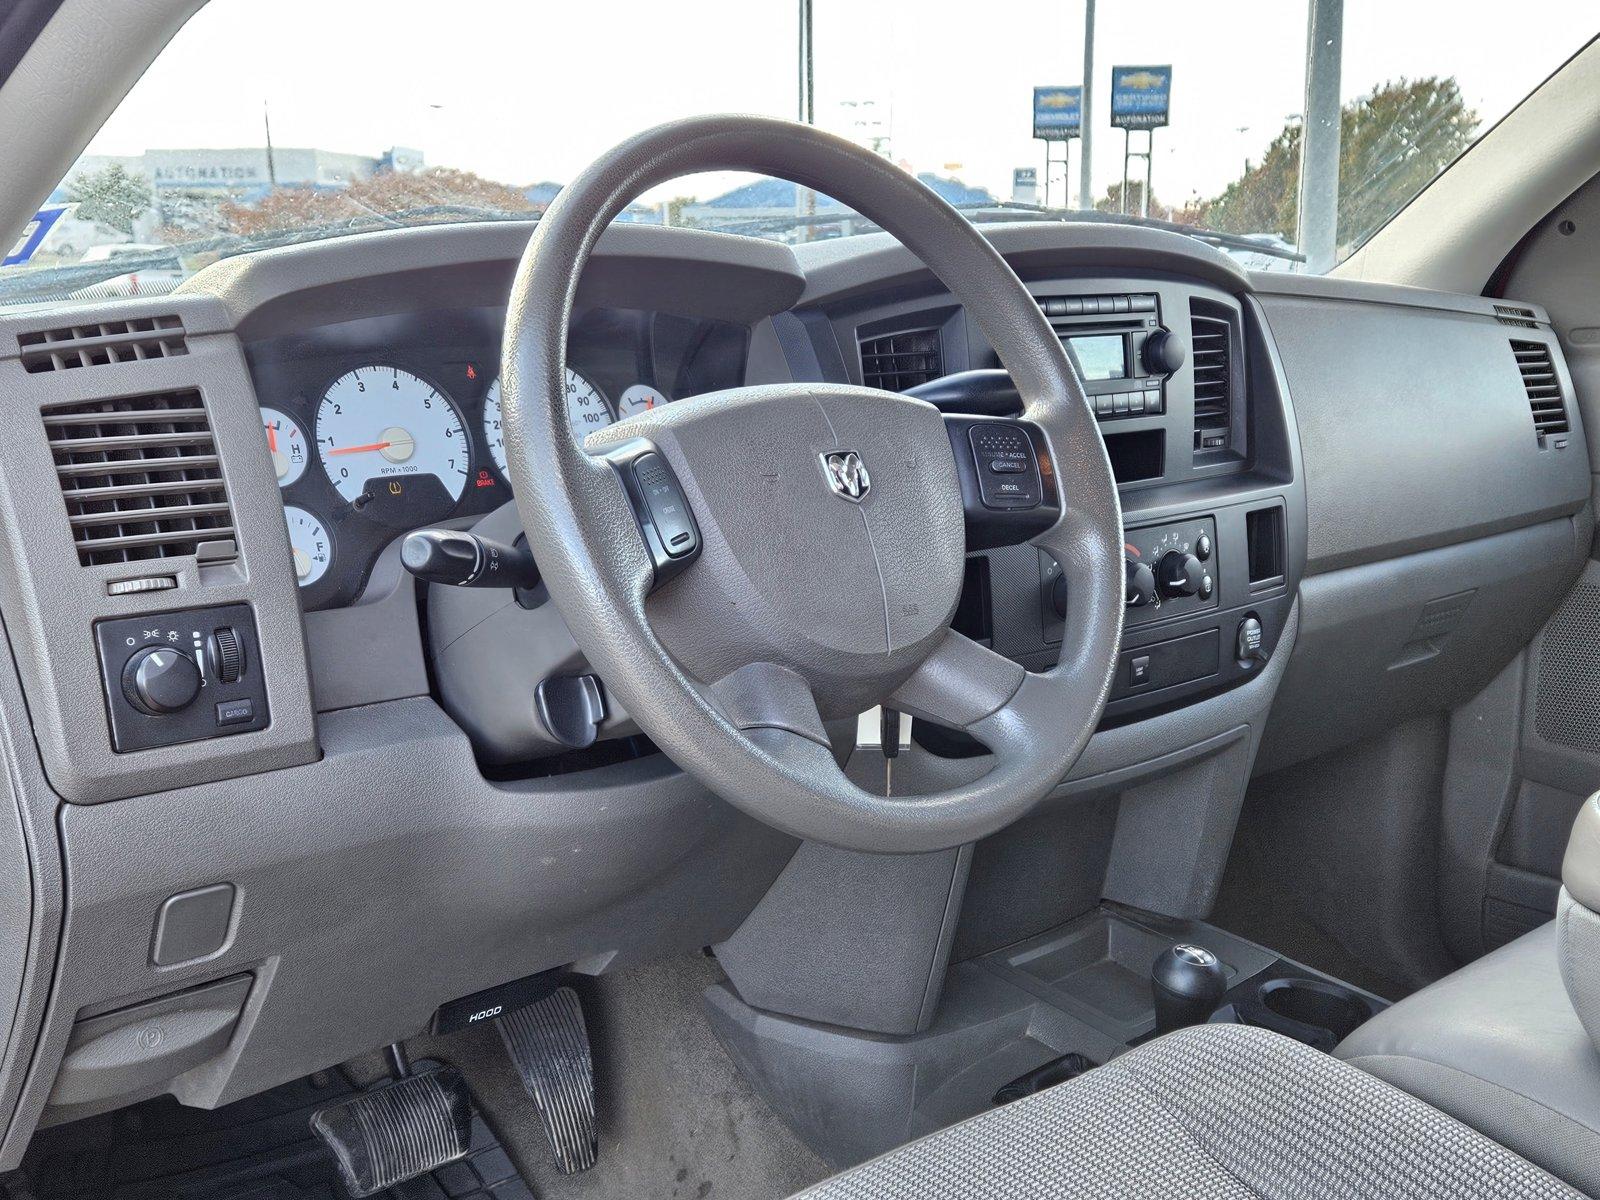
x: 549, y: 1043
x: 398, y: 1132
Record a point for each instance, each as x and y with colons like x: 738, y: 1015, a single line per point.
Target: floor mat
x: 261, y: 1148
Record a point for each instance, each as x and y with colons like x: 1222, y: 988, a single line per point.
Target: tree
x: 375, y: 199
x: 1392, y: 142
x: 113, y: 196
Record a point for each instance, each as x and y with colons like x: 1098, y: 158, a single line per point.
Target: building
x: 246, y: 173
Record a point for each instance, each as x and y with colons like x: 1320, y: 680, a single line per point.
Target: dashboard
x: 321, y: 400
x: 379, y: 425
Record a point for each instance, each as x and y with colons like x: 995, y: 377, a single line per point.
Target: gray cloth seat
x: 1499, y: 1045
x: 1220, y: 1111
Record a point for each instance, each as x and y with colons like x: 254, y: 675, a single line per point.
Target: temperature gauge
x: 641, y: 397
x: 286, y: 444
x: 309, y: 544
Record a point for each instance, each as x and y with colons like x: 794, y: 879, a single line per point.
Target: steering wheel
x: 744, y: 566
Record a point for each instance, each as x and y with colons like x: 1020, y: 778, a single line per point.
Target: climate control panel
x: 1172, y: 569
x: 181, y: 676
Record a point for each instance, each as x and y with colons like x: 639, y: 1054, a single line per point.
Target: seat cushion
x: 1216, y: 1111
x: 1498, y: 1045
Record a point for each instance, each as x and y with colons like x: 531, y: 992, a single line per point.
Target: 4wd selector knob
x: 1179, y: 574
x: 159, y: 680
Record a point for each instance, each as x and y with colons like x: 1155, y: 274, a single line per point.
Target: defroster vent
x: 1543, y: 388
x: 141, y: 478
x: 897, y: 361
x: 101, y: 343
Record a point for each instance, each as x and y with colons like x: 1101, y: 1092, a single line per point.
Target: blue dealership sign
x: 33, y: 236
x: 1057, y: 113
x: 1140, y: 97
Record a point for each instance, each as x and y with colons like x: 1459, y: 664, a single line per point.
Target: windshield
x: 263, y: 124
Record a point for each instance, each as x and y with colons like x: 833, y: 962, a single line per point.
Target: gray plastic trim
x: 51, y: 601
x: 842, y: 267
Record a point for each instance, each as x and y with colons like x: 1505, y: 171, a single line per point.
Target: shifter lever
x: 462, y: 559
x: 1187, y: 982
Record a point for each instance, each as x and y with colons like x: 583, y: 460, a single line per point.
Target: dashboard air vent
x: 141, y: 478
x: 1212, y: 338
x: 104, y: 342
x: 1521, y: 318
x: 897, y: 361
x: 1543, y: 388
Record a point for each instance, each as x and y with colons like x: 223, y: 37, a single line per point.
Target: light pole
x: 1319, y: 137
x: 1085, y: 187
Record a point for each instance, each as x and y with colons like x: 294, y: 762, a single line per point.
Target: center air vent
x: 897, y: 361
x: 1543, y: 388
x: 141, y: 478
x: 96, y: 345
x: 1211, y: 333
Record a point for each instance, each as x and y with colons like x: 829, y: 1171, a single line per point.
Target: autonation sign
x: 1140, y: 97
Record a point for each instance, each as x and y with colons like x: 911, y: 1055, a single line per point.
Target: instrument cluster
x: 379, y: 426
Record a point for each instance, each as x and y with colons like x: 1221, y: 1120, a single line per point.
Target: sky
x: 524, y: 90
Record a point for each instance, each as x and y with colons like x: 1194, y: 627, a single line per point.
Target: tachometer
x: 380, y: 422
x: 309, y: 545
x: 286, y: 444
x: 587, y: 410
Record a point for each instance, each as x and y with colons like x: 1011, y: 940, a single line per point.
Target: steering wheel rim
x: 751, y: 733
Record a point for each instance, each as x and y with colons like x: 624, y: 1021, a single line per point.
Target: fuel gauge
x: 309, y: 545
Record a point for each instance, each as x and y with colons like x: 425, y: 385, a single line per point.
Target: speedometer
x: 379, y: 422
x: 587, y: 410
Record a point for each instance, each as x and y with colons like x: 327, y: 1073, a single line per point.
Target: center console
x: 1193, y: 412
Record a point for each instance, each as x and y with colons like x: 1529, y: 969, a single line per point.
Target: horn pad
x: 832, y: 530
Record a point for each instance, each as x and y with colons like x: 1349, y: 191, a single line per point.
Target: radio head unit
x: 1120, y: 349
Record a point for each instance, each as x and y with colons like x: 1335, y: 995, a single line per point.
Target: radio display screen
x: 1101, y: 356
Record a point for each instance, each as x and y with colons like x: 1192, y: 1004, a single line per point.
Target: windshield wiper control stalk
x: 462, y: 559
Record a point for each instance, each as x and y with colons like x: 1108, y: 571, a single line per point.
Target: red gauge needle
x: 272, y: 439
x: 362, y: 449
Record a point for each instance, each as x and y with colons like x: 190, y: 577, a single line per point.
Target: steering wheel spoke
x: 1009, y: 489
x: 765, y: 695
x: 960, y: 684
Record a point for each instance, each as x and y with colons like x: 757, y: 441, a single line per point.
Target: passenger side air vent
x: 141, y: 478
x: 1543, y: 388
x: 897, y: 361
x: 96, y: 345
x: 1521, y: 318
x: 1211, y: 335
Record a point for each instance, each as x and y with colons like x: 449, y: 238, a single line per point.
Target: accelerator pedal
x: 549, y: 1043
x: 398, y: 1132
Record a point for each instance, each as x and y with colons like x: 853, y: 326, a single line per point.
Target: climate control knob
x: 159, y: 680
x: 1140, y: 589
x: 1179, y: 574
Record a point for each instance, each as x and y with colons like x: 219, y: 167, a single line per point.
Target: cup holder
x: 1317, y: 1004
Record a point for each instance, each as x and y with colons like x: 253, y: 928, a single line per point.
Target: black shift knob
x: 1187, y: 982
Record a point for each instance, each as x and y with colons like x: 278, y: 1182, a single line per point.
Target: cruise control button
x: 1006, y: 466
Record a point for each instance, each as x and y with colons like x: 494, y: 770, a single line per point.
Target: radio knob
x: 1164, y: 352
x: 159, y: 680
x: 1179, y: 574
x: 1141, y: 585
